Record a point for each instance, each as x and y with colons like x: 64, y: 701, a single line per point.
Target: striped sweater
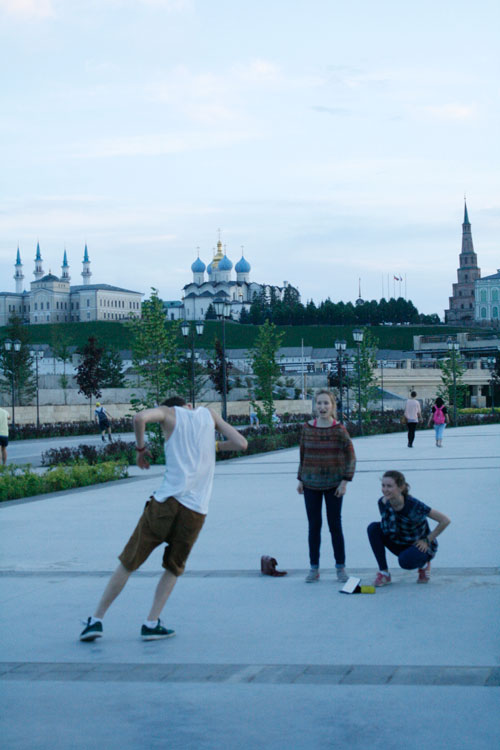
x: 326, y: 456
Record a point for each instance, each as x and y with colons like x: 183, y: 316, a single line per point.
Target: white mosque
x: 214, y: 281
x: 52, y: 299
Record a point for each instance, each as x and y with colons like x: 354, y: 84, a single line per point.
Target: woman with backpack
x: 439, y: 418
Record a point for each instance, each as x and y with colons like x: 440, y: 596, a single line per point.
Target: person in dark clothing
x: 404, y: 530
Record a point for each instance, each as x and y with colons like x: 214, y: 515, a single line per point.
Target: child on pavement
x: 176, y: 511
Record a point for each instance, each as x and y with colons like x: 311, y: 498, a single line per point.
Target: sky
x: 333, y: 141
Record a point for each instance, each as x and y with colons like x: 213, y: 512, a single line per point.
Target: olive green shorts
x: 168, y: 522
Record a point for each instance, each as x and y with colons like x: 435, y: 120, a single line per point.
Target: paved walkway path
x: 259, y: 662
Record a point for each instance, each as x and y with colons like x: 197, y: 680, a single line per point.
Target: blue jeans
x: 314, y: 501
x: 439, y: 430
x: 409, y: 556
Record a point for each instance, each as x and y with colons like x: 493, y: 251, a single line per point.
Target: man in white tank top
x: 176, y: 511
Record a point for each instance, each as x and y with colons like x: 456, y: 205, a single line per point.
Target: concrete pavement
x: 257, y: 661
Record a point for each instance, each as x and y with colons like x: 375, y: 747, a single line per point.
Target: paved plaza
x: 259, y: 662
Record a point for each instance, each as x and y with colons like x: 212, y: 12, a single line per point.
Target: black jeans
x: 409, y: 556
x: 412, y: 426
x: 314, y: 502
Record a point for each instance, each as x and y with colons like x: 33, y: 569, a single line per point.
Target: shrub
x: 65, y: 429
x: 21, y: 481
x: 119, y: 450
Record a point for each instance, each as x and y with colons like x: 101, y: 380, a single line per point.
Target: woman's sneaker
x: 382, y: 579
x: 91, y: 632
x: 342, y: 575
x: 312, y: 576
x: 156, y: 633
x: 424, y: 574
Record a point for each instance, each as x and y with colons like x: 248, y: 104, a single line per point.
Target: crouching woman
x: 404, y: 530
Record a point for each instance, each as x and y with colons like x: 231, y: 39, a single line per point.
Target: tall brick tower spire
x: 462, y: 305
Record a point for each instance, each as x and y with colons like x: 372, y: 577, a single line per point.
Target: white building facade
x: 216, y: 280
x: 487, y: 296
x: 53, y: 299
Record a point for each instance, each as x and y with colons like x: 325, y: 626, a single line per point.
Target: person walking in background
x: 4, y: 434
x: 439, y: 418
x: 404, y: 530
x: 103, y: 417
x: 176, y: 511
x: 413, y: 415
x: 327, y: 463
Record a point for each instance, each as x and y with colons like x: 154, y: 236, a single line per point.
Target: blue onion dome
x: 224, y: 264
x: 209, y: 269
x: 198, y: 266
x: 242, y: 266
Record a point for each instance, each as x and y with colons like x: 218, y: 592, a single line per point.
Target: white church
x: 215, y: 280
x: 52, y: 299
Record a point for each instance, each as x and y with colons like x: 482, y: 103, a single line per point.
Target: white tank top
x: 189, y: 460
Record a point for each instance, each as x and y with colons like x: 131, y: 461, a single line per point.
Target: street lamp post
x: 382, y: 383
x: 454, y: 347
x: 348, y: 385
x: 491, y: 365
x: 13, y: 346
x: 222, y: 311
x: 357, y: 335
x: 37, y: 354
x: 186, y: 328
x: 340, y: 347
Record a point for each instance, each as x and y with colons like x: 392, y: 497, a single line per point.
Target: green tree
x: 20, y: 362
x: 155, y: 354
x: 367, y: 362
x: 266, y: 370
x: 89, y: 373
x: 452, y: 370
x: 210, y: 314
x: 112, y: 367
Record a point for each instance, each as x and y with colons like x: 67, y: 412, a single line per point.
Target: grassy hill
x: 238, y: 336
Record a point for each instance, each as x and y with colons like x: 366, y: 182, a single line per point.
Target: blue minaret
x: 39, y: 272
x: 86, y: 273
x: 65, y: 269
x: 19, y: 275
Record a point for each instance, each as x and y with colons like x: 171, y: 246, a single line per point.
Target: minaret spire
x: 65, y: 268
x: 86, y: 273
x: 39, y: 272
x: 19, y: 275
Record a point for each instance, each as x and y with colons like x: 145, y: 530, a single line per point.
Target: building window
x: 48, y: 318
x: 494, y: 295
x: 495, y: 312
x: 41, y: 305
x: 483, y: 312
x: 88, y: 316
x: 36, y: 318
x: 48, y: 306
x: 483, y: 295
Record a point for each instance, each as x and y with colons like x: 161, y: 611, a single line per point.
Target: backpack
x: 439, y: 417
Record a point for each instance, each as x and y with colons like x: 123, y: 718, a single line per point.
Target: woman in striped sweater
x: 327, y: 463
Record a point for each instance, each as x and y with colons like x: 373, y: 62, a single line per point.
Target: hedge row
x: 21, y: 481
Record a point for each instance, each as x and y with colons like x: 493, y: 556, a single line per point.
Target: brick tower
x: 462, y: 303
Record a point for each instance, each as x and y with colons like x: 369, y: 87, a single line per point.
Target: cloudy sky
x: 332, y: 140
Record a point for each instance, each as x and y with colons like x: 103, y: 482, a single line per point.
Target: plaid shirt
x: 326, y: 456
x: 408, y: 525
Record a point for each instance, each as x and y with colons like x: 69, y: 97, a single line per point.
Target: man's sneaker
x: 103, y: 438
x: 91, y: 632
x: 382, y: 579
x: 156, y: 633
x: 342, y: 575
x: 312, y: 576
x: 424, y: 574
